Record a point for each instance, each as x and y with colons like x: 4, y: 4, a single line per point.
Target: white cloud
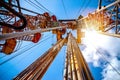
x: 90, y: 55
x: 108, y: 48
x: 109, y: 73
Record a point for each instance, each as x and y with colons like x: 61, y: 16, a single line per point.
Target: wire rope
x: 43, y: 7
x: 80, y: 9
x: 86, y: 5
x: 34, y: 5
x: 22, y: 52
x: 99, y: 53
x: 30, y: 53
x: 25, y: 9
x: 108, y: 62
x: 2, y: 56
x: 64, y: 9
x: 24, y: 47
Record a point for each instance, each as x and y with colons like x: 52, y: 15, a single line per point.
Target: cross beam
x: 19, y: 34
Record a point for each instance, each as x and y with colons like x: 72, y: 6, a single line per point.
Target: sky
x: 99, y: 51
x: 71, y: 9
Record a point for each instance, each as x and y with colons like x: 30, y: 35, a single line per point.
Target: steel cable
x: 64, y: 9
x: 23, y: 51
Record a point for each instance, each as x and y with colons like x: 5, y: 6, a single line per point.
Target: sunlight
x: 94, y: 38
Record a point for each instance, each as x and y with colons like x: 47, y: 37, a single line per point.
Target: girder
x: 19, y: 34
x: 103, y: 19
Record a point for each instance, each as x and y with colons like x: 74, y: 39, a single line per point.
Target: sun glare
x: 93, y: 37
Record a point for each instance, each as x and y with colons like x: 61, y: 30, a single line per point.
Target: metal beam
x: 27, y: 10
x: 99, y: 4
x: 38, y: 68
x: 66, y: 20
x: 112, y: 4
x: 110, y: 34
x: 19, y: 34
x: 116, y: 21
x: 76, y: 67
